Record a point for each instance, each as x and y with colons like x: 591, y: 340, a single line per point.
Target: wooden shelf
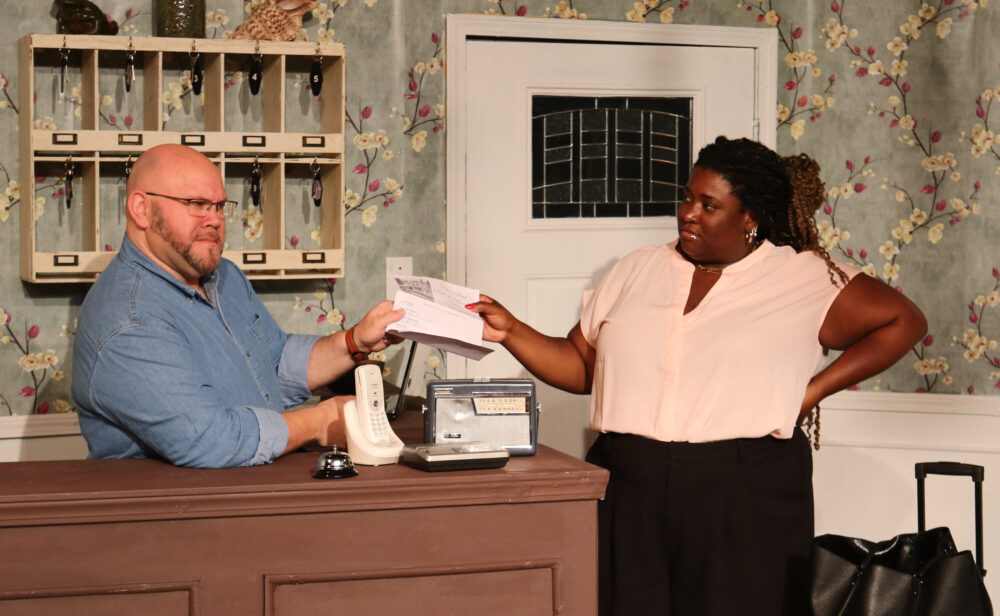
x: 69, y: 245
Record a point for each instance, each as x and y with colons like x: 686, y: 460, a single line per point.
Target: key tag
x: 129, y: 66
x: 197, y: 72
x: 68, y: 181
x: 63, y: 67
x: 256, y: 70
x: 255, y: 177
x: 316, y: 74
x: 317, y: 185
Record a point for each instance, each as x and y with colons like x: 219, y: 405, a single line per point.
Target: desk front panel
x: 151, y: 539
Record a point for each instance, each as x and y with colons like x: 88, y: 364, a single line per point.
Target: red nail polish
x: 470, y: 306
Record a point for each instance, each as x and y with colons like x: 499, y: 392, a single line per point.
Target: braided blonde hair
x: 808, y: 192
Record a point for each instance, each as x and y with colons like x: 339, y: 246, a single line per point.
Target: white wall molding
x: 938, y: 423
x: 33, y: 426
x: 909, y: 446
x: 892, y: 402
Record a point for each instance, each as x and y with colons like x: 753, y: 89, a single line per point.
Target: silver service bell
x: 334, y: 464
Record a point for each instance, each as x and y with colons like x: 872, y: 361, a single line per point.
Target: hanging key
x: 256, y: 73
x: 317, y: 185
x: 68, y: 180
x: 255, y: 178
x: 129, y: 66
x: 129, y: 71
x: 197, y: 74
x: 316, y: 74
x: 63, y: 68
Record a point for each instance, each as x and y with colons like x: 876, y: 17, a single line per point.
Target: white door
x: 540, y: 267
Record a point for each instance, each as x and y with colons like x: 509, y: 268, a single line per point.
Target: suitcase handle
x: 922, y: 469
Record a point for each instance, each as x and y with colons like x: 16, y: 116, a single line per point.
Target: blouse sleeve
x: 597, y: 304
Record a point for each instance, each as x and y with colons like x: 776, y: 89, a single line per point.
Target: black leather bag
x: 916, y: 574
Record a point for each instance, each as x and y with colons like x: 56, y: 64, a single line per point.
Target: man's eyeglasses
x: 199, y: 208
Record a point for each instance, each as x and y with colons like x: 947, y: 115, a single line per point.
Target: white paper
x: 436, y: 316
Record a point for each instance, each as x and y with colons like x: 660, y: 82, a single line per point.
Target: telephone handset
x: 370, y: 440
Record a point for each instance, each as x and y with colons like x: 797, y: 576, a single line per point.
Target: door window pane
x: 609, y: 157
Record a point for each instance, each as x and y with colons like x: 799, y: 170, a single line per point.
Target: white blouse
x: 736, y: 366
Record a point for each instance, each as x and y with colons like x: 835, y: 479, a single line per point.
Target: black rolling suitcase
x: 914, y: 574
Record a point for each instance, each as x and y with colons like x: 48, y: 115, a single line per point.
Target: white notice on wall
x: 436, y: 316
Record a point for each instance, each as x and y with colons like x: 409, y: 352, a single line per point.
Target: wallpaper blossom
x: 894, y: 98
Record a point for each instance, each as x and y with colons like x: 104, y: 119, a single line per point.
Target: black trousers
x: 704, y: 529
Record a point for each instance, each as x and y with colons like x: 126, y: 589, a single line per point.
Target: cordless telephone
x: 370, y: 439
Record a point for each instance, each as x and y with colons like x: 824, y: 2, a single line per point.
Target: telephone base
x: 376, y: 461
x: 364, y: 450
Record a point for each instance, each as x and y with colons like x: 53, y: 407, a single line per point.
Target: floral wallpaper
x: 894, y: 98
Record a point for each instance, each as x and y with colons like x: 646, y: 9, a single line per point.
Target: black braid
x: 783, y: 193
x: 758, y: 180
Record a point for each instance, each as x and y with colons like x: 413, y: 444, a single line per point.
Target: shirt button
x: 267, y: 397
x: 248, y: 353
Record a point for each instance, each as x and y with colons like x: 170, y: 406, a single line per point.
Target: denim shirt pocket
x: 257, y: 328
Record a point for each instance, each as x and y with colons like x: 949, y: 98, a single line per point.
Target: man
x: 175, y: 356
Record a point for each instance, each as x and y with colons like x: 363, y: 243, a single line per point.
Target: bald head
x: 158, y: 221
x: 169, y: 166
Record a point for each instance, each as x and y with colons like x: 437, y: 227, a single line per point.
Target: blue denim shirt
x: 161, y: 372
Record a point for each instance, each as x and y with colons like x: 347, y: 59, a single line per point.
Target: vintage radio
x: 502, y: 412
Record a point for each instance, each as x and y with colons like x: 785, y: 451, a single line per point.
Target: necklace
x: 717, y: 269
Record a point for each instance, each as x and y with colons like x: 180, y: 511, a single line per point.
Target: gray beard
x: 204, y: 267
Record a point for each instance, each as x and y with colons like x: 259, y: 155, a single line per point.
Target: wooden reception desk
x: 143, y: 537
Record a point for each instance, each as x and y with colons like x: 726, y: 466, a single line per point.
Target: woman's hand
x: 811, y: 400
x: 566, y: 363
x: 497, y: 320
x: 874, y: 325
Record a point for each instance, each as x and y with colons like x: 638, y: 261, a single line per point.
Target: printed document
x: 436, y: 316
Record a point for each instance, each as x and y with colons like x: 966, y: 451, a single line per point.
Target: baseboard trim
x: 949, y: 424
x: 862, y: 444
x: 32, y: 426
x: 892, y: 402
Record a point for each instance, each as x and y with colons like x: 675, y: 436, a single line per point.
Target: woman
x: 700, y: 358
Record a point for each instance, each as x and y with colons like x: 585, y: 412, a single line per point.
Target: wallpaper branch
x: 895, y: 99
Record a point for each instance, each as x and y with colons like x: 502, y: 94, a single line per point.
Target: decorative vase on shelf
x: 179, y: 18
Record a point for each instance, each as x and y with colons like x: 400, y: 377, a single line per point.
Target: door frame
x: 461, y: 29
